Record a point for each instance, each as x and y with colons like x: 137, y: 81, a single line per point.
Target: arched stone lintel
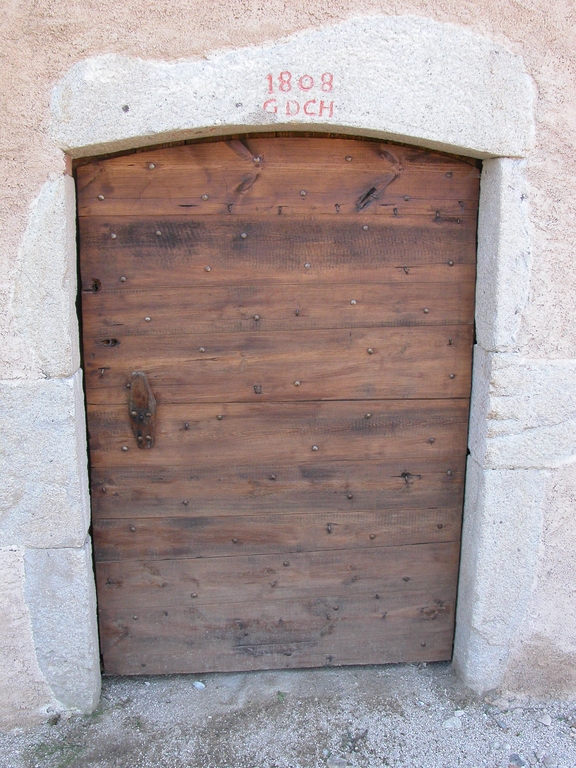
x: 402, y: 78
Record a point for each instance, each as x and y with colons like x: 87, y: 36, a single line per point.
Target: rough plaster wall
x: 42, y: 39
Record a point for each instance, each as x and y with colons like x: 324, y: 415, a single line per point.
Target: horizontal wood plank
x: 281, y: 151
x: 270, y: 635
x: 265, y: 488
x: 410, y: 362
x: 154, y: 252
x: 255, y: 578
x: 149, y: 538
x: 283, y: 433
x: 260, y: 308
x: 217, y: 180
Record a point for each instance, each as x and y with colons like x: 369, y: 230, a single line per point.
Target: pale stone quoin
x: 481, y: 85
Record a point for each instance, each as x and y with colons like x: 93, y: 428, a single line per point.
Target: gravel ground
x: 405, y: 715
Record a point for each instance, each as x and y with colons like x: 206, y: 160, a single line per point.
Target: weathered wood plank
x: 276, y: 250
x: 258, y: 578
x: 260, y: 308
x: 262, y: 489
x: 408, y: 362
x: 212, y: 180
x: 445, y: 215
x: 283, y: 433
x: 149, y: 538
x: 281, y: 151
x: 414, y: 626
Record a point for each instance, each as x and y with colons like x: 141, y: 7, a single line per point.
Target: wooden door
x: 301, y: 310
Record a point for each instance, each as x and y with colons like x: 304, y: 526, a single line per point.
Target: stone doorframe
x: 405, y: 79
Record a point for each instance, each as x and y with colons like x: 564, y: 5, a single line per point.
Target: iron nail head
x: 365, y: 227
x: 124, y: 448
x: 151, y: 166
x: 123, y: 279
x: 243, y: 235
x: 133, y: 413
x: 353, y: 301
x: 425, y: 310
x: 350, y: 496
x: 296, y: 383
x: 100, y: 197
x: 207, y: 269
x: 367, y: 415
x: 303, y: 193
x: 132, y: 528
x: 348, y: 158
x: 372, y: 536
x: 204, y: 197
x: 158, y: 233
x: 148, y: 318
x: 201, y: 349
x: 370, y: 351
x: 257, y: 159
x: 307, y: 265
x: 256, y: 317
x: 452, y: 376
x: 314, y: 447
x: 450, y: 263
x: 113, y: 235
x: 220, y: 417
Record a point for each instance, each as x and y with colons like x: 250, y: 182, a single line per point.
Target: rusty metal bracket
x: 142, y: 410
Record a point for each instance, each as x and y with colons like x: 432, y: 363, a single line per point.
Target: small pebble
x: 452, y: 723
x: 545, y: 719
x: 516, y: 761
x: 198, y: 685
x: 459, y: 713
x: 336, y: 762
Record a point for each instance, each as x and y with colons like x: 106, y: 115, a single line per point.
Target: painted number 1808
x: 285, y: 82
